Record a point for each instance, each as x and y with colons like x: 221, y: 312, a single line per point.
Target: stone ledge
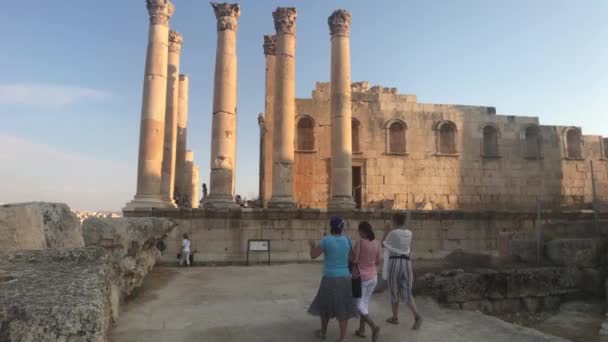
x: 56, y: 295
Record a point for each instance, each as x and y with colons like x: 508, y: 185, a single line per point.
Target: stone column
x: 270, y: 51
x: 186, y: 198
x: 284, y: 109
x: 223, y: 130
x: 340, y: 95
x: 170, y: 146
x: 182, y: 134
x: 194, y: 184
x: 262, y: 158
x: 151, y: 135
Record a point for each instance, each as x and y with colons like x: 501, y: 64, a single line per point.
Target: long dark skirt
x: 334, y: 299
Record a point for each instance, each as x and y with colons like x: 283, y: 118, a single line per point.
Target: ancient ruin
x: 508, y: 215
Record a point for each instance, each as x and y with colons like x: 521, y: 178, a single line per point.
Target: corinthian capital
x: 270, y: 44
x: 285, y: 20
x: 175, y: 41
x: 227, y: 15
x: 160, y: 11
x: 339, y: 23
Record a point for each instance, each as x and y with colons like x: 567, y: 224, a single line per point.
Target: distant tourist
x: 334, y: 298
x: 204, y: 191
x: 185, y: 252
x: 367, y: 255
x: 399, y: 275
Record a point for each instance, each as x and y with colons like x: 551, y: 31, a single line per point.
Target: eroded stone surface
x: 576, y: 252
x: 56, y: 295
x: 507, y: 290
x: 39, y: 225
x: 132, y: 245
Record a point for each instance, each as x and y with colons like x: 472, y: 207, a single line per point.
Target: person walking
x: 185, y: 252
x: 334, y: 298
x: 400, y: 278
x: 367, y: 255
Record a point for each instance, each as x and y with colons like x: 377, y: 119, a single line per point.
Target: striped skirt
x: 400, y: 280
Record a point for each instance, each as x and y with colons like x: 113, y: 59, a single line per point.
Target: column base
x: 282, y: 202
x: 341, y: 203
x: 220, y: 201
x: 145, y: 202
x: 169, y: 202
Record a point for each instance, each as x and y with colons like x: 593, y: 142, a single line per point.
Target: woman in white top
x: 399, y: 274
x: 185, y: 252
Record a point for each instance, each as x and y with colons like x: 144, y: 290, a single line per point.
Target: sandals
x: 360, y: 334
x: 392, y: 320
x: 320, y: 335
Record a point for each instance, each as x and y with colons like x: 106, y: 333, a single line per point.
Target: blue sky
x: 71, y: 85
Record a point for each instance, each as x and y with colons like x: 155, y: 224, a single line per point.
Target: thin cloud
x: 37, y: 172
x: 47, y: 94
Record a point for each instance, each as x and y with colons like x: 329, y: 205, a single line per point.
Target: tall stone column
x: 152, y: 129
x: 223, y: 130
x: 182, y: 134
x: 270, y: 51
x: 284, y: 109
x: 194, y: 184
x: 171, y: 117
x: 186, y: 198
x: 341, y: 116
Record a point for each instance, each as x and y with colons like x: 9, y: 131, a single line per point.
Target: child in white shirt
x: 185, y: 253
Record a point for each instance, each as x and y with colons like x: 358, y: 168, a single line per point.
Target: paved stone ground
x: 269, y: 304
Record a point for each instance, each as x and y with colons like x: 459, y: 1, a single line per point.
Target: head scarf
x: 337, y: 225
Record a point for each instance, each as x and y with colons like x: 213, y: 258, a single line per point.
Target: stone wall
x: 221, y: 235
x: 421, y: 177
x: 501, y: 291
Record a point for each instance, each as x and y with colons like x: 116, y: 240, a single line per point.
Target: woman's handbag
x: 355, y: 281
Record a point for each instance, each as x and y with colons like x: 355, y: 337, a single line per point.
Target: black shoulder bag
x: 356, y: 281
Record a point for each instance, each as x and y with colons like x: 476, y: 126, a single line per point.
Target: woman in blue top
x: 334, y: 298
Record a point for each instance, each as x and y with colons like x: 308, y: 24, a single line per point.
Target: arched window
x: 395, y: 137
x: 446, y: 138
x: 573, y: 143
x: 355, y: 135
x: 489, y: 141
x: 306, y: 137
x: 532, y: 142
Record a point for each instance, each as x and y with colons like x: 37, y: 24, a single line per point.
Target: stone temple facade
x: 412, y: 155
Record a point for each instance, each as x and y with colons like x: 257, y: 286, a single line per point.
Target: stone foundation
x: 221, y: 235
x: 503, y: 291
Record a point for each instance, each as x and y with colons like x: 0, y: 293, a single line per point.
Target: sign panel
x: 259, y: 245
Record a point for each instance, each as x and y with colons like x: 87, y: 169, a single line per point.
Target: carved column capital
x: 160, y: 11
x: 339, y: 23
x: 270, y: 44
x: 175, y: 41
x: 227, y: 15
x: 285, y: 20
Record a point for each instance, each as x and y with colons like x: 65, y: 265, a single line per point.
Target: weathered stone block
x: 38, y: 225
x: 572, y: 252
x: 523, y: 249
x: 531, y: 304
x: 57, y: 295
x: 132, y: 244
